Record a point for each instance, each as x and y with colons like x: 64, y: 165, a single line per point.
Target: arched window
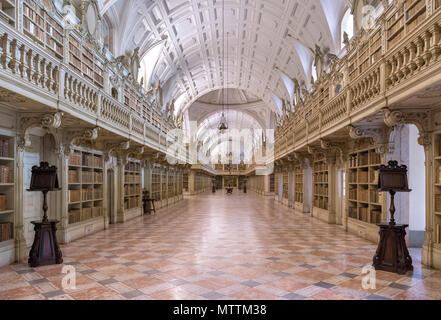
x: 347, y: 25
x: 148, y: 64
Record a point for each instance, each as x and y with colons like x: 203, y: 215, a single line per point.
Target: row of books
x: 131, y: 203
x: 299, y: 197
x: 85, y: 159
x: 133, y: 166
x: 91, y: 160
x: 438, y: 233
x: 6, y: 174
x: 364, y: 159
x: 74, y: 176
x: 6, y: 231
x: 2, y: 202
x: 321, y: 177
x: 132, y: 190
x: 363, y: 195
x: 4, y: 148
x: 417, y: 7
x: 78, y: 215
x: 363, y: 176
x: 438, y: 202
x: 363, y: 214
x: 321, y: 203
x: 321, y: 189
x: 92, y: 177
x: 320, y: 166
x: 132, y: 178
x: 352, y: 194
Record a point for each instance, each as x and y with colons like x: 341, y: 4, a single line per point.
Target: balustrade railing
x: 402, y: 46
x: 31, y: 65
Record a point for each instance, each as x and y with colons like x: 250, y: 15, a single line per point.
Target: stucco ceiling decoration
x: 229, y: 96
x: 258, y: 45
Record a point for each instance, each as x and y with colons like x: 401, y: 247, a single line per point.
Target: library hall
x: 249, y: 150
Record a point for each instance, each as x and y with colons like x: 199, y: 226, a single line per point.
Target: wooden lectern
x: 45, y: 249
x: 392, y: 254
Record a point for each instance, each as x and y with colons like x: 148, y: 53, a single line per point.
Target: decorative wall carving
x: 379, y: 133
x: 421, y: 118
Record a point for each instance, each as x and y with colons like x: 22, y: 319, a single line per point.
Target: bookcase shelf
x: 7, y: 188
x: 365, y: 202
x: 437, y: 187
x: 285, y: 194
x: 7, y: 12
x: 84, y: 61
x: 298, y: 184
x: 132, y: 185
x: 44, y: 29
x: 171, y: 183
x: 85, y: 184
x: 320, y: 184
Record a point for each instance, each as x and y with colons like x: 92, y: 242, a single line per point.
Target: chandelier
x: 223, y: 124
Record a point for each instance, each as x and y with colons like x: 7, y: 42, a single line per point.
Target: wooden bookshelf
x: 437, y: 187
x: 437, y: 4
x: 83, y: 60
x: 185, y: 181
x: 395, y: 28
x: 156, y: 183
x: 365, y: 202
x: 44, y: 29
x: 299, y: 184
x: 171, y: 183
x: 132, y: 185
x: 179, y: 183
x: 7, y: 187
x: 85, y: 186
x: 415, y: 13
x: 320, y: 184
x: 285, y: 193
x: 7, y: 12
x: 164, y: 186
x: 272, y: 183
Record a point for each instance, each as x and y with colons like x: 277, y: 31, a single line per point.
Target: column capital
x: 378, y: 132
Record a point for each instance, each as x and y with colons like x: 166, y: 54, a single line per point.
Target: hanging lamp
x: 223, y: 124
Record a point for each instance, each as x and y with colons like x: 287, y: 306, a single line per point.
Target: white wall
x: 32, y: 205
x: 417, y: 182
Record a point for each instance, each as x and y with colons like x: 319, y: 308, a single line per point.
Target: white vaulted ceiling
x: 258, y: 51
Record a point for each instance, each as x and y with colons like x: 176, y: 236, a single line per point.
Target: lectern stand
x: 392, y: 254
x: 45, y: 249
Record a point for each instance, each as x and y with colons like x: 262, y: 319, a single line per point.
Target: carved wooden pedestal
x: 392, y: 254
x: 45, y: 249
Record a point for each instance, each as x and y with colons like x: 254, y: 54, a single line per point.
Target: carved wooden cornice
x: 47, y: 121
x: 76, y: 137
x: 421, y: 118
x: 379, y: 133
x: 117, y: 148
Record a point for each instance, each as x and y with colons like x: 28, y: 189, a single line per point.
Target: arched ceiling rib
x: 258, y: 40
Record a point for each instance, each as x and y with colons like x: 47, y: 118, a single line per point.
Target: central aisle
x: 209, y: 246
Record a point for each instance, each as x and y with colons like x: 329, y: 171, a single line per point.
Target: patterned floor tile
x: 219, y: 247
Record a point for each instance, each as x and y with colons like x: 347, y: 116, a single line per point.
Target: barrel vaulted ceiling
x: 260, y: 41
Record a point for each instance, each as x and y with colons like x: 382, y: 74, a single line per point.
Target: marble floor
x: 219, y: 247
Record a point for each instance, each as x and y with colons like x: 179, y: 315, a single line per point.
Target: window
x: 347, y: 25
x: 148, y: 64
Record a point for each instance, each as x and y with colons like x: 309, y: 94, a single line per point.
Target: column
x: 20, y: 240
x: 191, y: 182
x: 332, y: 185
x: 291, y: 186
x: 121, y: 162
x: 307, y: 186
x: 62, y: 215
x: 427, y: 250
